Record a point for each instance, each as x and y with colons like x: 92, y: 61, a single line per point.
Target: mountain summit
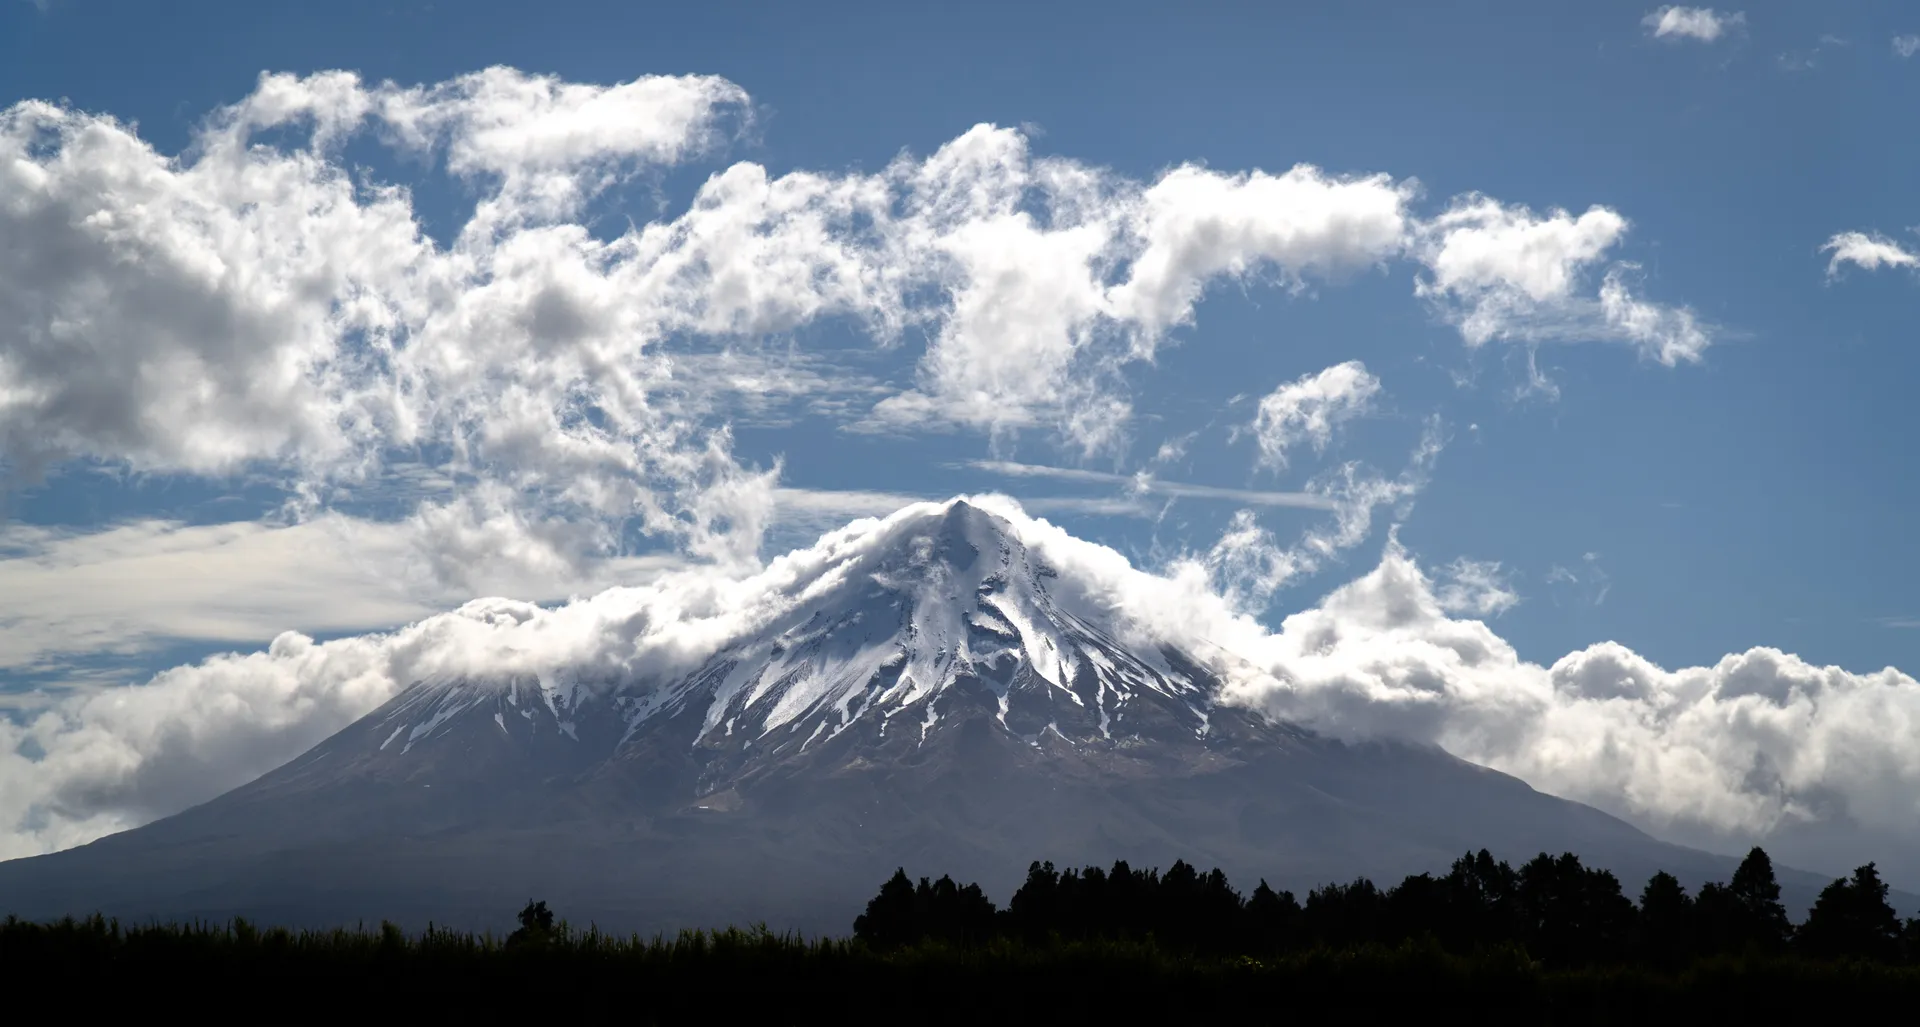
x: 937, y: 697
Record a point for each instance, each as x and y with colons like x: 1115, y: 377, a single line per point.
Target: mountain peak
x: 944, y: 615
x: 958, y: 530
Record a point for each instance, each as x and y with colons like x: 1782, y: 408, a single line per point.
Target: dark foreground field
x: 736, y: 976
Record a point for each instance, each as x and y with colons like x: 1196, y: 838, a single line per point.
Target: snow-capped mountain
x: 939, y: 699
x: 954, y: 617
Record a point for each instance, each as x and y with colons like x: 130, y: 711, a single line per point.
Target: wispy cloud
x: 1590, y: 584
x: 1867, y: 251
x: 144, y: 586
x: 1906, y: 46
x: 1146, y: 484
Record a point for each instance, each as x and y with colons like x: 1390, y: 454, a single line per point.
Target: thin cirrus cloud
x: 124, y: 590
x: 1147, y: 484
x: 1702, y: 24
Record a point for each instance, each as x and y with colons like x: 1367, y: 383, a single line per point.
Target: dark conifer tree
x: 1666, y: 934
x: 1345, y: 915
x: 1176, y: 902
x: 1852, y: 919
x: 1034, y: 908
x: 889, y: 917
x: 1718, y: 920
x: 1220, y: 912
x: 1273, y: 919
x: 1569, y: 914
x: 1480, y: 901
x: 1764, y: 919
x: 1417, y: 907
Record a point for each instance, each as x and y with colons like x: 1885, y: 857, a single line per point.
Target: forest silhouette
x: 1549, y: 942
x: 1554, y: 908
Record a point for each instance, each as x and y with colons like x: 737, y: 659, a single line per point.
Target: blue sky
x: 1754, y: 493
x: 1759, y: 498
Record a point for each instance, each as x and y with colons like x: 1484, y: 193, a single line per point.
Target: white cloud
x: 1478, y: 588
x: 552, y: 144
x: 1502, y: 272
x: 1197, y: 224
x: 1871, y: 252
x: 92, y: 764
x: 1755, y: 742
x: 1480, y: 246
x: 256, y: 302
x: 1249, y: 564
x: 135, y: 586
x: 1045, y: 307
x: 1906, y: 46
x: 1309, y: 408
x: 1670, y: 335
x: 1699, y: 23
x: 262, y: 303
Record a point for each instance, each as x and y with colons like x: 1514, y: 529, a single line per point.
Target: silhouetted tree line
x: 1074, y: 947
x: 1555, y: 909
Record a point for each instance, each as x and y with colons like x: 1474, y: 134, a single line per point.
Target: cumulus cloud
x: 256, y: 301
x: 1756, y: 742
x: 1308, y: 409
x: 1871, y: 252
x: 1698, y: 23
x: 1196, y: 224
x: 1058, y: 274
x: 258, y: 304
x: 1499, y: 271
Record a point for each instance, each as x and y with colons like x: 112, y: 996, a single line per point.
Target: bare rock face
x: 938, y: 703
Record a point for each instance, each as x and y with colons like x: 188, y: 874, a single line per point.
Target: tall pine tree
x: 1852, y: 919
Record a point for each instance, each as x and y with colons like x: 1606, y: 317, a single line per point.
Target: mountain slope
x: 935, y: 700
